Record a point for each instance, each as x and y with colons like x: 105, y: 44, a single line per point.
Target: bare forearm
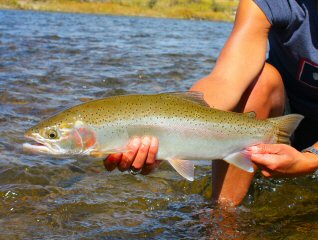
x: 311, y: 160
x: 241, y: 60
x: 311, y: 163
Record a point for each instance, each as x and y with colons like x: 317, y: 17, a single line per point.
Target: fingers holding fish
x: 142, y: 153
x: 153, y: 150
x: 151, y: 161
x: 280, y: 160
x: 141, y: 157
x: 266, y: 157
x: 122, y: 160
x: 148, y: 168
x: 269, y: 155
x: 265, y: 148
x: 112, y: 161
x: 129, y: 157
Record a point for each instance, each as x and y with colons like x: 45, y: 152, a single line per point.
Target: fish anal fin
x: 241, y: 161
x: 184, y: 167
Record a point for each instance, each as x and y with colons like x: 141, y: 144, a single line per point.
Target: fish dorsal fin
x: 250, y: 114
x: 84, y: 100
x: 194, y: 96
x: 184, y: 167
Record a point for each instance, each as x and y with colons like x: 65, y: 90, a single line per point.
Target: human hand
x: 141, y: 156
x: 280, y: 160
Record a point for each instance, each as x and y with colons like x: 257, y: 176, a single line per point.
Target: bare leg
x: 267, y: 99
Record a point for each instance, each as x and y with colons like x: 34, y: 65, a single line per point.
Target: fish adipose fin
x: 241, y: 161
x: 286, y: 125
x: 184, y: 167
x: 250, y: 114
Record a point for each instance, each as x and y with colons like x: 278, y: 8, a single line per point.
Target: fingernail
x: 247, y: 153
x: 146, y: 140
x: 136, y: 142
x: 154, y: 142
x: 111, y: 168
x: 253, y: 149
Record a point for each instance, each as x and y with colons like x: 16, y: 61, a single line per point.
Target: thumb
x: 263, y: 159
x: 266, y: 173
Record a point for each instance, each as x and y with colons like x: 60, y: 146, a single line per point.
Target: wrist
x: 312, y: 161
x: 312, y: 155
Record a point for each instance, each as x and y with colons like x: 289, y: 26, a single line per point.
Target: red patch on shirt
x: 308, y: 73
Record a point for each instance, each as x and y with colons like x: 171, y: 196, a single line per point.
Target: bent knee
x: 266, y: 96
x: 272, y: 78
x: 275, y: 90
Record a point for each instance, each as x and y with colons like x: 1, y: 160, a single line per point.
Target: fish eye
x: 52, y: 134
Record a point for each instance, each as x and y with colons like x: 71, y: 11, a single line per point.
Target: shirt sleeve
x: 278, y: 12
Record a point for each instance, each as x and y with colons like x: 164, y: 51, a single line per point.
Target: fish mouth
x: 38, y: 146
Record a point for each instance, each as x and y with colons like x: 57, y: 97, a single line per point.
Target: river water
x: 49, y: 61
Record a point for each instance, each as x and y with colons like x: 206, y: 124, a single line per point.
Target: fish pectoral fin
x: 112, y: 151
x: 240, y: 160
x: 101, y: 153
x: 184, y: 167
x: 98, y: 154
x: 104, y: 153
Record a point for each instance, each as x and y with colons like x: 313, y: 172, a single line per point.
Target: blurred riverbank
x: 217, y: 10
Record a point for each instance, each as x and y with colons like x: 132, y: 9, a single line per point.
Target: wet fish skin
x: 186, y: 127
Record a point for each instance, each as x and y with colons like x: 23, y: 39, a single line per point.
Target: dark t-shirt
x: 293, y: 41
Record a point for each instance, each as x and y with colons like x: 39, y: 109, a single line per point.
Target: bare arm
x: 240, y: 61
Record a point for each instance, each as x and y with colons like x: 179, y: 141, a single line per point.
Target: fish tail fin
x: 286, y: 125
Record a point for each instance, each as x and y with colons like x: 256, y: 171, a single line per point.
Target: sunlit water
x: 50, y: 61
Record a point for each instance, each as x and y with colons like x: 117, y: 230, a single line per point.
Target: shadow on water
x: 51, y: 61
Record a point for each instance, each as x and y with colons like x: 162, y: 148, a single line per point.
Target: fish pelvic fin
x: 184, y: 167
x: 286, y: 125
x: 240, y: 160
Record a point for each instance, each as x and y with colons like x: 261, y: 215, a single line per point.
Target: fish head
x: 60, y: 138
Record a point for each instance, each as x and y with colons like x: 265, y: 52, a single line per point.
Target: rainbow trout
x: 186, y: 127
